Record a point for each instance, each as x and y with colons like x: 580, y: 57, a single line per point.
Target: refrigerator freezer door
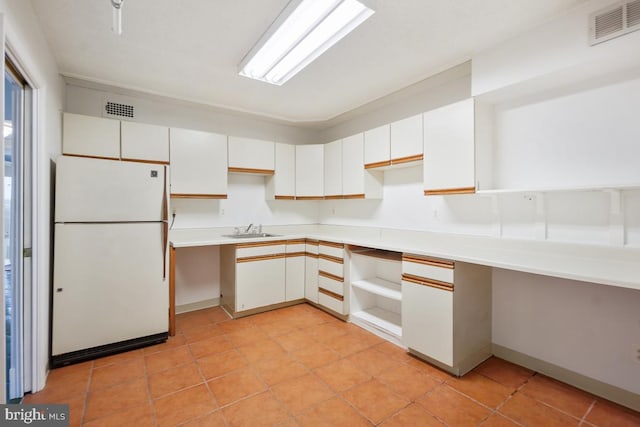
x: 108, y: 284
x: 97, y: 190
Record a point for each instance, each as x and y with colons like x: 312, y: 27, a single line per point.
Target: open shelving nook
x: 376, y: 296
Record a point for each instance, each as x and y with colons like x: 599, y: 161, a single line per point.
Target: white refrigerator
x: 110, y: 280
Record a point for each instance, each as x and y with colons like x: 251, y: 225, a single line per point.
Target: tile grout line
x: 86, y: 394
x: 154, y: 419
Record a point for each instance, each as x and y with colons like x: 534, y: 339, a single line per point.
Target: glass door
x: 17, y: 260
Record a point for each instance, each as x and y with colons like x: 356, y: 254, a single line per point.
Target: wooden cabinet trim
x: 232, y: 169
x: 429, y: 261
x: 330, y: 276
x: 414, y: 158
x: 309, y: 197
x: 260, y: 258
x: 331, y: 258
x: 197, y: 196
x: 333, y: 197
x: 172, y: 291
x: 353, y: 196
x: 91, y: 157
x: 448, y: 191
x: 311, y: 255
x: 331, y: 244
x: 277, y: 197
x: 153, y: 162
x: 312, y: 242
x: 296, y: 242
x: 428, y: 282
x: 378, y: 164
x: 330, y: 294
x: 259, y: 244
x: 295, y: 254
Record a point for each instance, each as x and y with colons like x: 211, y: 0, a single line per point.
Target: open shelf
x: 380, y: 287
x: 381, y: 319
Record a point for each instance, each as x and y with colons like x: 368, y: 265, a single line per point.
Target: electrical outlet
x: 221, y: 212
x: 636, y: 353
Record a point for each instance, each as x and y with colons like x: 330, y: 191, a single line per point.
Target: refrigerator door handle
x: 165, y: 242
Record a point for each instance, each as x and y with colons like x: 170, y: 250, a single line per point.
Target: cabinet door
x: 282, y: 185
x: 333, y: 169
x: 427, y: 321
x: 449, y: 161
x: 353, y: 174
x: 377, y: 147
x: 90, y: 136
x: 198, y: 164
x: 295, y: 274
x: 248, y: 155
x: 310, y: 172
x: 260, y: 283
x: 406, y: 139
x: 311, y: 278
x: 144, y: 142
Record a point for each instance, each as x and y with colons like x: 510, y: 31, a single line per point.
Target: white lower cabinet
x: 376, y: 297
x: 253, y: 275
x: 295, y: 270
x: 311, y: 271
x: 446, y: 312
x: 331, y: 275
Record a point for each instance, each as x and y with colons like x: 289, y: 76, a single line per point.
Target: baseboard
x: 199, y: 305
x: 599, y: 388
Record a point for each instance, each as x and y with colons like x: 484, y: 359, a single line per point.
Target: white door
x: 108, y: 284
x: 90, y: 136
x: 260, y: 283
x: 406, y: 138
x: 310, y: 171
x: 333, y: 169
x: 96, y: 190
x: 353, y: 165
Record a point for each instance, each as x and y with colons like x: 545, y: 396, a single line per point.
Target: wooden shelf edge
x: 197, y: 196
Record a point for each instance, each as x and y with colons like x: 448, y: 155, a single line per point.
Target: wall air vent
x: 614, y: 21
x: 114, y: 109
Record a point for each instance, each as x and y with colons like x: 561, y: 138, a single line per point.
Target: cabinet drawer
x: 331, y: 302
x: 311, y: 246
x: 331, y: 284
x: 331, y: 267
x: 259, y: 249
x: 332, y: 249
x: 296, y: 247
x: 428, y: 268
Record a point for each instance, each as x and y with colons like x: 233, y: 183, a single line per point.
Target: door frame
x: 34, y: 346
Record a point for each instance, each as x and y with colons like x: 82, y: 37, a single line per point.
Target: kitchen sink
x: 250, y: 235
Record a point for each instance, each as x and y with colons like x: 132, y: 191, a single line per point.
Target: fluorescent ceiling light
x: 304, y: 30
x: 116, y: 25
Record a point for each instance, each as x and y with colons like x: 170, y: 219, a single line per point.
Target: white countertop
x: 615, y: 266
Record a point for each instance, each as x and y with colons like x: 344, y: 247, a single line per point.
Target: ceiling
x: 190, y: 49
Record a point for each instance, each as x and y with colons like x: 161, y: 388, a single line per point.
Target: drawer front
x: 331, y: 303
x: 298, y: 247
x: 441, y: 271
x: 331, y: 284
x: 332, y: 249
x: 259, y: 249
x: 331, y: 267
x: 311, y: 247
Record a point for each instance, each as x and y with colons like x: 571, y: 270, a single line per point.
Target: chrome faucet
x: 248, y: 228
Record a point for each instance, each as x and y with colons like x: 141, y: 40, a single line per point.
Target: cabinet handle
x: 428, y: 282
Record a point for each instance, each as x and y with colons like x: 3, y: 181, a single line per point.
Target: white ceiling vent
x: 614, y: 21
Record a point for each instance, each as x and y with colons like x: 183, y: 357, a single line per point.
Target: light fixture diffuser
x: 304, y: 30
x: 116, y: 25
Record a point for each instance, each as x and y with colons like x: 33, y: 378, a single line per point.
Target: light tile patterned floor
x: 299, y: 366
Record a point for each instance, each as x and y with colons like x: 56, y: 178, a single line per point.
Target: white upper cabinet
x: 310, y: 172
x: 281, y: 186
x: 333, y: 170
x: 144, y: 142
x: 449, y: 149
x: 357, y: 182
x: 377, y: 147
x: 198, y: 164
x: 90, y: 136
x: 406, y: 140
x: 248, y: 155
